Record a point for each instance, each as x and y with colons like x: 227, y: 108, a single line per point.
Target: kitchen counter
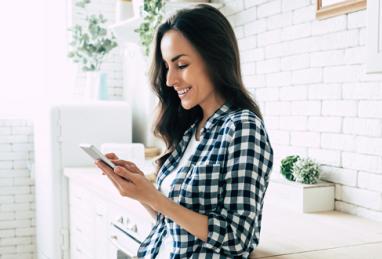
x: 291, y: 235
x: 287, y: 234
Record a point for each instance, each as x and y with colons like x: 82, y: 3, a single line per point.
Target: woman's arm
x: 150, y: 210
x: 130, y: 182
x: 114, y: 158
x: 195, y: 223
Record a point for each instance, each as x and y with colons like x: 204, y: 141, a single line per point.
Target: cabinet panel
x: 82, y: 223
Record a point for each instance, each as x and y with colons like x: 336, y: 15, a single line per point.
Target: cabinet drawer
x: 82, y: 244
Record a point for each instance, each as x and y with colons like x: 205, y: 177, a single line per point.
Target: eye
x: 182, y: 66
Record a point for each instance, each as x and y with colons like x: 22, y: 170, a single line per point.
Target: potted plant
x: 302, y: 190
x: 152, y: 17
x: 287, y: 166
x: 306, y: 171
x: 90, y: 44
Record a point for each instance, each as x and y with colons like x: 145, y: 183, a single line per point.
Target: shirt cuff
x: 217, y: 227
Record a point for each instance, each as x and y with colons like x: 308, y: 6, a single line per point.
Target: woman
x: 213, y: 177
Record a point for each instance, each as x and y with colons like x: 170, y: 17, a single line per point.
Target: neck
x: 210, y: 109
x: 207, y: 113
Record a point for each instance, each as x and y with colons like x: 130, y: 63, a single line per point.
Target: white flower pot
x: 123, y: 10
x: 302, y: 197
x: 96, y: 85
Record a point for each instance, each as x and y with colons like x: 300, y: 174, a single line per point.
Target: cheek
x: 195, y: 76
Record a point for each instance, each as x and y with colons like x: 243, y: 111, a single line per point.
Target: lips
x: 183, y: 91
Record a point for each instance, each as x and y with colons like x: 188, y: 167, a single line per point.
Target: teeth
x: 184, y: 91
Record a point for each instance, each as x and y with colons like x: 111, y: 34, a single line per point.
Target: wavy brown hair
x: 212, y: 36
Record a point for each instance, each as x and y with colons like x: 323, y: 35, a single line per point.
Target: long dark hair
x: 212, y: 36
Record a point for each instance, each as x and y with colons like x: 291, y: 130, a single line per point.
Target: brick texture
x: 315, y: 96
x: 17, y: 213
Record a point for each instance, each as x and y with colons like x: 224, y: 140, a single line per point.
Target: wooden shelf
x: 152, y: 152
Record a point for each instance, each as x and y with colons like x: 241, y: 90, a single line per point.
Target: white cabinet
x: 89, y: 223
x: 102, y: 222
x: 95, y: 206
x: 82, y: 223
x: 374, y: 41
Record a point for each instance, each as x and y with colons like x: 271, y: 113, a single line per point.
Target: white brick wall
x: 17, y: 212
x: 310, y: 82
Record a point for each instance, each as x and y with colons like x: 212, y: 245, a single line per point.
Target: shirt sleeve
x: 231, y: 228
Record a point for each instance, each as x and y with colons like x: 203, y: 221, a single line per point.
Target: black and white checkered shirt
x: 225, y: 179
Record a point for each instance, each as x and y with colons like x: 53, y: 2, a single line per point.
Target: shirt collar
x: 211, y: 121
x: 216, y: 116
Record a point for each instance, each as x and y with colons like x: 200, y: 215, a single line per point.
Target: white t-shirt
x: 166, y: 247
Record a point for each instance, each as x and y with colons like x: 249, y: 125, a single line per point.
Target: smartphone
x: 94, y: 153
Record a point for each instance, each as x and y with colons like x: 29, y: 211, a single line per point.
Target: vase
x: 123, y: 10
x: 302, y: 198
x: 96, y: 85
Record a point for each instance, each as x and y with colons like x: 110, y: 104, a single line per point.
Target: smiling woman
x: 213, y: 176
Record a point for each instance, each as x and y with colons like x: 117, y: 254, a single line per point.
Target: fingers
x: 123, y: 185
x: 118, y: 181
x: 129, y: 166
x: 108, y: 171
x: 125, y: 173
x: 111, y: 156
x: 101, y: 165
x: 115, y: 183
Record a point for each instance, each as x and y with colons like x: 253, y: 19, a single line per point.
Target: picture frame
x: 330, y: 8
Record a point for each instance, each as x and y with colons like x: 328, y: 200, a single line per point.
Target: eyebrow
x: 177, y: 57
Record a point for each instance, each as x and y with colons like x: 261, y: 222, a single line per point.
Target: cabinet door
x: 374, y: 41
x: 101, y: 230
x: 82, y: 222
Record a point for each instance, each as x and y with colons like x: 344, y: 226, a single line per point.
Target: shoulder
x: 240, y: 118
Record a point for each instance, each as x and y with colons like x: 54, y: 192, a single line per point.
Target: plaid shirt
x: 225, y: 179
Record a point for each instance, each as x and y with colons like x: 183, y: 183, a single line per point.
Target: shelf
x: 125, y: 30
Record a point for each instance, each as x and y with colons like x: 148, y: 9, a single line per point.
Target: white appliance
x: 125, y: 238
x: 58, y: 129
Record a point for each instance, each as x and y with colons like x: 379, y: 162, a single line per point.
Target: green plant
x: 91, y: 42
x: 152, y: 17
x: 287, y: 165
x: 305, y: 170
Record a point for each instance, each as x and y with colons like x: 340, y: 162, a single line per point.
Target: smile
x: 184, y: 91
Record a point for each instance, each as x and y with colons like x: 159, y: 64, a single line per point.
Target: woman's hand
x: 129, y: 180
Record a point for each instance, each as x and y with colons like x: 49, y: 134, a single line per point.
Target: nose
x: 171, y: 78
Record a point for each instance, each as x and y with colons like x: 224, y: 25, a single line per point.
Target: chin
x: 187, y: 106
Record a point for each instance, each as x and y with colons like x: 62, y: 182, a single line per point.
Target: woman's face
x: 186, y: 73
